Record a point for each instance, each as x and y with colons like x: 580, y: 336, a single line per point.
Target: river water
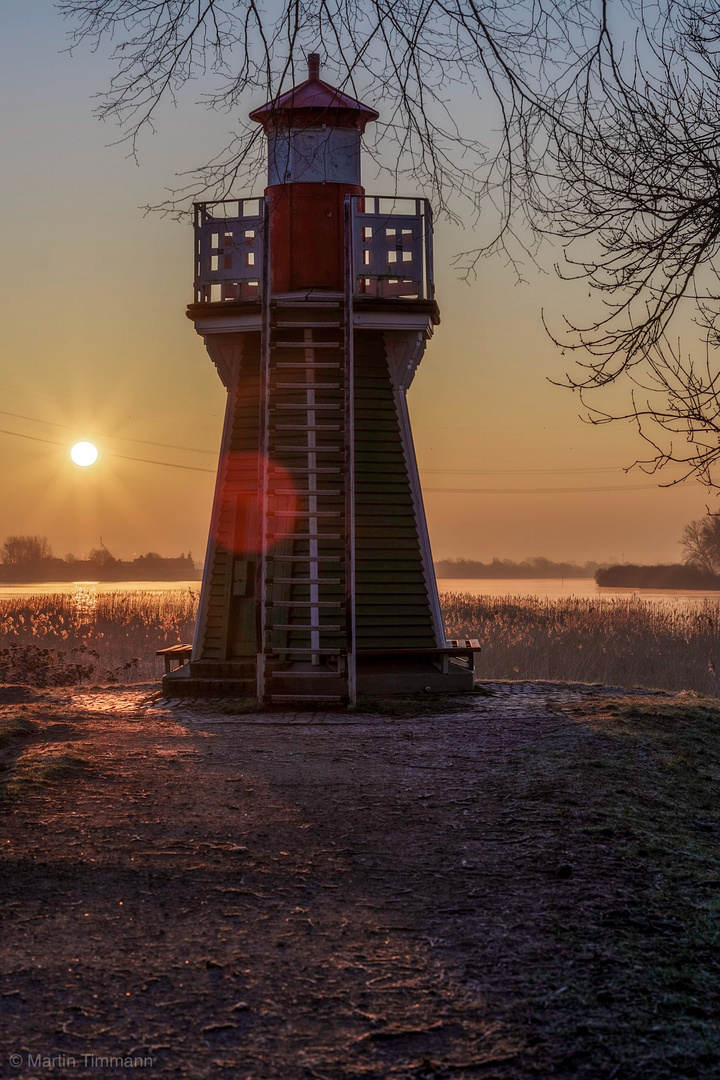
x: 550, y: 588
x: 49, y: 588
x: 564, y: 588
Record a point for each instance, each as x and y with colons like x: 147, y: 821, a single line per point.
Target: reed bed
x: 107, y: 637
x: 96, y: 637
x: 624, y: 642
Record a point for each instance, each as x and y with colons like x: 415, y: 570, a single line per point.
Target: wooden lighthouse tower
x: 315, y: 304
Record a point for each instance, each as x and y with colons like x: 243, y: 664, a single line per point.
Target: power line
x: 35, y: 438
x: 427, y: 490
x: 108, y: 453
x: 517, y: 472
x: 424, y: 472
x: 117, y: 438
x: 155, y: 409
x: 535, y: 491
x: 197, y: 450
x: 167, y: 464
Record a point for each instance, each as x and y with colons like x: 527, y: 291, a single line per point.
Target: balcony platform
x: 369, y: 312
x: 388, y: 250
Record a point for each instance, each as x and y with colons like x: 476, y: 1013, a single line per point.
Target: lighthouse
x: 315, y: 303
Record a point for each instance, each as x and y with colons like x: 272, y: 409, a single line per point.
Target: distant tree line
x: 30, y: 558
x: 669, y: 576
x: 700, y: 542
x: 537, y: 567
x: 26, y: 550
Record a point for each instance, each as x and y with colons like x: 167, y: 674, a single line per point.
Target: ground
x: 522, y: 883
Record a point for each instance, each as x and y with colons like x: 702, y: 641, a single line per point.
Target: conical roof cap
x: 313, y: 99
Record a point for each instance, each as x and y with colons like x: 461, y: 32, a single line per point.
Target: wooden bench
x: 454, y: 649
x: 180, y: 653
x: 467, y: 648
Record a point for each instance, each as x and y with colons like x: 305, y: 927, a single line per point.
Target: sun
x: 84, y: 453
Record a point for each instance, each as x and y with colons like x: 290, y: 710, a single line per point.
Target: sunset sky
x: 96, y: 345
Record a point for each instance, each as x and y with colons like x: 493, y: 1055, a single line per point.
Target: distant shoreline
x: 515, y: 574
x: 501, y: 569
x: 624, y: 576
x: 96, y: 574
x: 670, y: 576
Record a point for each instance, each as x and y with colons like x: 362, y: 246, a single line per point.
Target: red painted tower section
x: 313, y: 133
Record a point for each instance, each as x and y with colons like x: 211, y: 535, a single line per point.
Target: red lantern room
x: 315, y: 304
x: 313, y: 136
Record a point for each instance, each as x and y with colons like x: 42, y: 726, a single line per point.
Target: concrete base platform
x: 211, y: 680
x: 393, y: 678
x: 376, y: 676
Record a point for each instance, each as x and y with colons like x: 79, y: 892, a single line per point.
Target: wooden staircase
x: 305, y: 579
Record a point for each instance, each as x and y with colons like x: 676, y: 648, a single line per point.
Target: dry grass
x: 626, y: 642
x: 35, y: 751
x: 70, y: 638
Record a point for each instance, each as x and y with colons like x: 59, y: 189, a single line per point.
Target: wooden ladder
x: 306, y: 570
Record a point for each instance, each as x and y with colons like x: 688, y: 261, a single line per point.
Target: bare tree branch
x: 601, y: 131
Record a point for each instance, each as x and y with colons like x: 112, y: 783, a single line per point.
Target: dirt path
x: 331, y: 896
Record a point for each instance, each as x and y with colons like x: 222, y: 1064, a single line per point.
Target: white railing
x: 390, y: 248
x: 228, y: 250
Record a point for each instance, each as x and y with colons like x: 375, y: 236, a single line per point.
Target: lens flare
x: 241, y: 469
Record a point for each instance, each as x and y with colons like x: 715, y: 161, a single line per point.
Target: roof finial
x: 313, y: 61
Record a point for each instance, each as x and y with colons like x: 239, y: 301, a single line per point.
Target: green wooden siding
x: 392, y: 604
x: 230, y: 622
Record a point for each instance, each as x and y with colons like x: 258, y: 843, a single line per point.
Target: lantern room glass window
x: 314, y: 155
